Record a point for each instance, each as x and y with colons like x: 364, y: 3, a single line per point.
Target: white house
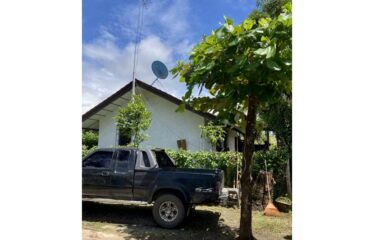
x: 168, y: 127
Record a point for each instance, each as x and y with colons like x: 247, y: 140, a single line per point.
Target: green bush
x: 276, y: 162
x: 86, y: 150
x: 90, y: 139
x: 227, y: 161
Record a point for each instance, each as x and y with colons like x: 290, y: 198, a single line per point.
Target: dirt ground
x: 117, y: 220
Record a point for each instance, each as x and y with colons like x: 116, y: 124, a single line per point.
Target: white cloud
x: 169, y: 19
x: 166, y: 37
x: 107, y: 68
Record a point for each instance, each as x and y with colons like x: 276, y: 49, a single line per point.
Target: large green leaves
x: 235, y: 61
x: 269, y: 51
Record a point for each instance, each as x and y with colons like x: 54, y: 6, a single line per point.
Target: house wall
x: 169, y: 126
x: 107, y: 130
x: 166, y: 128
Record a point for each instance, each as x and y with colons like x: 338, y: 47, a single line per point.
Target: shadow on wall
x: 137, y: 221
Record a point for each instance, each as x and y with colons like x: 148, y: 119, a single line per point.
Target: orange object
x: 271, y: 210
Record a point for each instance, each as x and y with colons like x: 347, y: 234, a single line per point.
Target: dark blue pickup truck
x: 150, y: 176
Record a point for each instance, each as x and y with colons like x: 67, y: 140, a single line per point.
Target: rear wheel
x: 168, y: 211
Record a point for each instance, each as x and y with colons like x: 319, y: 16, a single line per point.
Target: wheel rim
x: 168, y: 211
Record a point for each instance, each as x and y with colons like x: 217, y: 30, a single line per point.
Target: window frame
x: 108, y: 166
x: 114, y: 167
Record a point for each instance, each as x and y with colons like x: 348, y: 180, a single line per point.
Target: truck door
x: 122, y: 175
x: 144, y: 178
x: 96, y: 174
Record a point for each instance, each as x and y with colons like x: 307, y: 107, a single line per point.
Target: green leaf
x: 248, y: 24
x: 271, y: 51
x: 263, y: 22
x: 272, y: 65
x: 287, y: 8
x: 219, y: 33
x: 210, y: 50
x: 261, y: 51
x: 210, y: 65
x: 181, y: 107
x: 240, y: 60
x: 234, y: 42
x: 188, y: 93
x: 230, y: 28
x: 228, y: 20
x: 238, y: 30
x: 265, y: 39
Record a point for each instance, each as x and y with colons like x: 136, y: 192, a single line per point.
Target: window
x: 122, y: 163
x: 124, y: 138
x: 223, y: 145
x: 146, y: 159
x: 163, y: 159
x: 98, y: 160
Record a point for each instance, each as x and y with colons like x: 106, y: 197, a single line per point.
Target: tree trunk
x: 245, y: 231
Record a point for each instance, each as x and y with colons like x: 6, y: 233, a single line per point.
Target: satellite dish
x: 159, y: 69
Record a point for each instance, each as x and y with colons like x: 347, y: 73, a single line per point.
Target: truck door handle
x: 104, y: 173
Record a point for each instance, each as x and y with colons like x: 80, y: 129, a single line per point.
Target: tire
x: 168, y: 211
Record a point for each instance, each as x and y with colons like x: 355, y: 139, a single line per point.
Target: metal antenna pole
x: 142, y: 4
x: 154, y: 81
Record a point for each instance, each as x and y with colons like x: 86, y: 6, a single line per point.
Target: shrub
x: 90, y: 139
x: 213, y: 133
x: 276, y: 161
x: 86, y: 150
x: 134, y: 119
x: 225, y: 161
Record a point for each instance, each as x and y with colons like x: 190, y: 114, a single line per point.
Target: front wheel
x: 168, y: 211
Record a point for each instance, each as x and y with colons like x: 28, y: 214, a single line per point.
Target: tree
x: 213, y: 133
x: 134, y: 120
x: 243, y: 67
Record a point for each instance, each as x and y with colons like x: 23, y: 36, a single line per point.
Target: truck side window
x: 122, y: 163
x: 146, y: 159
x: 163, y: 159
x: 98, y: 160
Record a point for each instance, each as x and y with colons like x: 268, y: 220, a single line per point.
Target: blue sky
x: 171, y: 28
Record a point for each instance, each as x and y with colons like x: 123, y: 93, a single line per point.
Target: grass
x: 134, y: 221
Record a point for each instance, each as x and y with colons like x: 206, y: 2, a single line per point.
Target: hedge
x: 227, y: 161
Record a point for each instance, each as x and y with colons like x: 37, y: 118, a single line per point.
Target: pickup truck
x: 150, y: 176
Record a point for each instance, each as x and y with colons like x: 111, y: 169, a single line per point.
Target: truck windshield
x: 163, y: 160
